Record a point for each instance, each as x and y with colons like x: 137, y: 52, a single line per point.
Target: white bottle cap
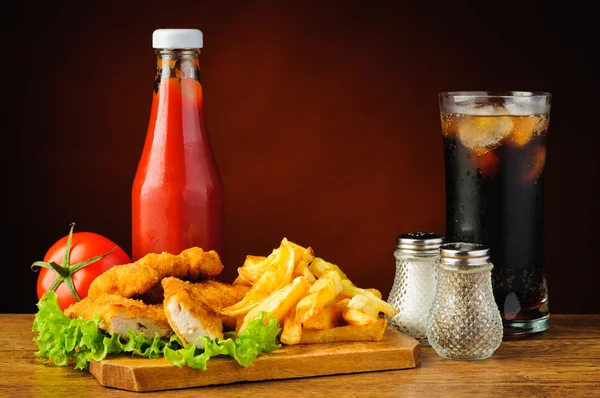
x: 177, y: 38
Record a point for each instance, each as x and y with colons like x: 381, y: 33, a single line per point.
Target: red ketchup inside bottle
x: 177, y: 194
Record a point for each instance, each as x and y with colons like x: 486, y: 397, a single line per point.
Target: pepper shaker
x: 414, y: 284
x: 464, y: 321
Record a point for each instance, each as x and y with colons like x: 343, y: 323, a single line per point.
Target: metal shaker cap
x: 462, y: 253
x: 419, y: 242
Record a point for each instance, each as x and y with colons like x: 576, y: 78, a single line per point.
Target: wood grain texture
x: 564, y: 361
x: 394, y: 351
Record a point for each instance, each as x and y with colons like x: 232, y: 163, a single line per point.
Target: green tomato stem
x: 39, y: 264
x: 67, y: 255
x: 76, y: 267
x: 65, y: 271
x: 61, y: 270
x: 55, y: 284
x: 69, y: 282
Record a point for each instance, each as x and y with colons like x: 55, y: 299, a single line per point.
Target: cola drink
x: 495, y: 153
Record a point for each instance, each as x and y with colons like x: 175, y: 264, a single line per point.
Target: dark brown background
x: 323, y: 118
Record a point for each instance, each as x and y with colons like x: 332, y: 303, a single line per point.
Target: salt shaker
x: 414, y: 284
x: 464, y: 321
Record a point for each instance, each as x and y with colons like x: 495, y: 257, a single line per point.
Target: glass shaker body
x: 414, y: 284
x: 464, y: 321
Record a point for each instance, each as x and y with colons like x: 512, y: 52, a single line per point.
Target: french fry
x: 363, y: 303
x: 375, y: 292
x: 253, y: 261
x: 279, y: 303
x: 329, y: 317
x: 301, y: 269
x: 292, y: 330
x: 319, y: 266
x: 341, y: 304
x: 358, y: 318
x: 309, y: 275
x: 255, y: 266
x: 360, y: 311
x: 276, y: 276
x: 309, y: 297
x: 298, y: 250
x: 322, y: 293
x: 240, y: 280
x: 349, y: 290
x: 371, y: 332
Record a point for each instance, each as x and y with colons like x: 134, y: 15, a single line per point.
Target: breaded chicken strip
x: 137, y: 278
x: 188, y: 313
x: 201, y: 264
x: 220, y: 295
x: 125, y: 280
x: 119, y: 314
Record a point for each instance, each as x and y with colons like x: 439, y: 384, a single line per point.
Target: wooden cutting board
x: 394, y: 351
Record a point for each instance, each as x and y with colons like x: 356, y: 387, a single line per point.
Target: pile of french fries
x: 312, y: 299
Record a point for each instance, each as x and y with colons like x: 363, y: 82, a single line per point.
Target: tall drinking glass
x: 495, y: 152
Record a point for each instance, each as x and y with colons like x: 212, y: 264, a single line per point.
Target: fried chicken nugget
x: 165, y: 264
x: 83, y: 308
x: 188, y: 313
x: 220, y: 295
x: 125, y: 280
x: 119, y: 314
x: 137, y: 278
x: 201, y: 264
x: 190, y: 264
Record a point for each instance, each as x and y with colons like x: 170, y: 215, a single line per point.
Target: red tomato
x: 84, y: 246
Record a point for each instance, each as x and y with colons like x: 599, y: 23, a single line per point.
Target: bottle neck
x: 180, y: 64
x: 177, y: 115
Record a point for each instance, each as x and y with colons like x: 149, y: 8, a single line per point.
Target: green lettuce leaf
x: 61, y: 339
x: 254, y: 340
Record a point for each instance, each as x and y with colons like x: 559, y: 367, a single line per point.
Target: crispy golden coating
x: 119, y: 314
x: 124, y: 280
x: 83, y: 308
x: 201, y: 264
x: 188, y: 313
x: 165, y: 264
x: 220, y: 295
x: 137, y: 278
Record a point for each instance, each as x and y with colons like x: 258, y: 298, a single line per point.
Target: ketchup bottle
x: 177, y: 194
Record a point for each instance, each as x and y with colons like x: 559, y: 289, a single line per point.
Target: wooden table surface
x: 563, y: 361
